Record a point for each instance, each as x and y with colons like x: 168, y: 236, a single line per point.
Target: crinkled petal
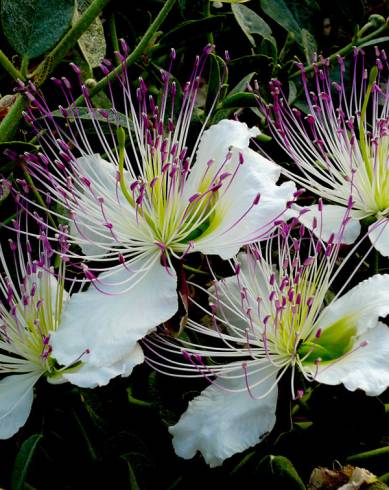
x: 379, y: 236
x: 214, y: 146
x: 220, y: 423
x: 237, y: 220
x: 90, y: 376
x: 362, y: 305
x: 103, y: 329
x: 328, y: 221
x: 16, y: 396
x: 365, y: 368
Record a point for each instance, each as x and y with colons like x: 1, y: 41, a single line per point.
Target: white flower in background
x: 270, y: 318
x: 143, y: 205
x: 341, y: 148
x: 31, y: 305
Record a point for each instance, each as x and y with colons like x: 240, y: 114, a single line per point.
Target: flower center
x: 334, y: 342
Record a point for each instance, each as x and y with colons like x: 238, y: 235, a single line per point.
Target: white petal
x: 16, y: 395
x: 90, y: 223
x: 329, y: 221
x: 231, y: 226
x: 362, y: 305
x: 220, y: 423
x: 379, y: 236
x: 226, y: 295
x: 109, y: 325
x: 366, y: 368
x: 90, y: 376
x: 215, y: 145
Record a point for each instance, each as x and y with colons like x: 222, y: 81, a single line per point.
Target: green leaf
x: 280, y: 13
x: 217, y: 68
x: 277, y: 472
x: 309, y: 44
x: 292, y: 92
x: 92, y: 42
x: 242, y: 85
x: 115, y: 118
x: 32, y: 27
x: 4, y: 190
x: 23, y: 460
x: 229, y: 1
x: 252, y: 23
x: 373, y: 42
x: 241, y: 99
x: 194, y: 28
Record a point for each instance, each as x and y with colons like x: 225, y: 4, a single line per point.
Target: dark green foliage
x: 32, y: 27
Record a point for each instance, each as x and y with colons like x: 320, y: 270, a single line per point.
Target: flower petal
x: 226, y: 295
x: 237, y: 220
x: 89, y: 225
x: 220, y: 423
x: 362, y: 305
x: 328, y: 221
x: 214, y: 146
x: 365, y: 368
x: 89, y: 376
x: 102, y: 329
x: 379, y: 236
x: 16, y: 395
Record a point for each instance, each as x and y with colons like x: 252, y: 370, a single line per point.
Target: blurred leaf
x: 309, y: 44
x: 280, y: 13
x: 277, y: 472
x: 106, y: 116
x: 18, y: 146
x: 193, y: 28
x: 23, y: 460
x: 140, y: 470
x: 241, y: 99
x: 258, y: 62
x: 133, y: 482
x: 252, y: 23
x: 32, y: 27
x: 229, y: 1
x: 242, y: 85
x: 92, y: 42
x: 4, y: 189
x: 373, y: 42
x: 269, y: 49
x: 292, y: 93
x: 216, y: 75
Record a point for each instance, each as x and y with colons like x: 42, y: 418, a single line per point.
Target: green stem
x: 9, y: 67
x: 345, y: 50
x: 10, y: 123
x: 135, y: 401
x: 368, y: 454
x: 113, y: 34
x: 193, y: 269
x: 136, y: 53
x: 71, y: 37
x: 24, y: 67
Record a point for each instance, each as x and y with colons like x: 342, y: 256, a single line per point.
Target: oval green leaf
x: 32, y: 27
x: 280, y: 13
x: 23, y: 460
x: 252, y: 23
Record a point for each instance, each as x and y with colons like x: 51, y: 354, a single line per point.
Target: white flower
x: 341, y: 149
x: 270, y: 319
x: 31, y: 308
x: 143, y: 206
